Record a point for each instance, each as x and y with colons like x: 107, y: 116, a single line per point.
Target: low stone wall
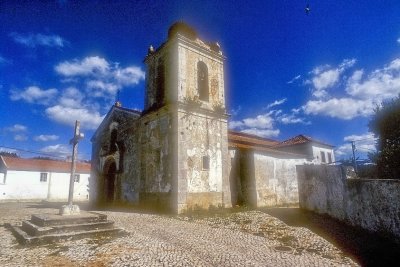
x: 368, y: 203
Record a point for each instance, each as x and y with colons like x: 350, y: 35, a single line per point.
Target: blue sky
x: 287, y: 72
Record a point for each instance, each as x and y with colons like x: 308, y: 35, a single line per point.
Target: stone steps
x: 47, y: 228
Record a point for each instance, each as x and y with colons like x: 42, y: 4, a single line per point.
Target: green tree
x: 385, y: 124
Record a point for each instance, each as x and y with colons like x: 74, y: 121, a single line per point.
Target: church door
x: 109, y: 183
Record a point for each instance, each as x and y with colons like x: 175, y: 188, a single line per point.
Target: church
x: 178, y: 154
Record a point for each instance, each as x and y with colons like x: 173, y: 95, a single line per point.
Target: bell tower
x: 185, y: 79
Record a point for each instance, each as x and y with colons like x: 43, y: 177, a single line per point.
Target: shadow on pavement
x: 366, y: 248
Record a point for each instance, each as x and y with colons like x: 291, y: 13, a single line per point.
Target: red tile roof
x: 249, y: 141
x: 300, y: 139
x: 236, y: 138
x: 42, y: 165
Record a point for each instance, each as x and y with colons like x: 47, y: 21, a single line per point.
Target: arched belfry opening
x: 202, y: 81
x: 160, y: 93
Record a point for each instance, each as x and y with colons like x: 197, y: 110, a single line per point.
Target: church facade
x: 176, y: 154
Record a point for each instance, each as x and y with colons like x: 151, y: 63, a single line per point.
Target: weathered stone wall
x: 143, y: 157
x: 262, y: 180
x: 201, y: 135
x: 369, y: 203
x: 176, y: 152
x: 113, y: 143
x: 189, y: 54
x: 157, y: 159
x: 276, y: 180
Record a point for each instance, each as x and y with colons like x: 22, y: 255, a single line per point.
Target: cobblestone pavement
x: 249, y: 238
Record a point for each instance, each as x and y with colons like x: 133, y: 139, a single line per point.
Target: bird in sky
x: 307, y: 9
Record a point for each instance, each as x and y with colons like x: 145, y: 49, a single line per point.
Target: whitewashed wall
x: 317, y: 154
x: 373, y: 204
x: 276, y: 180
x: 25, y: 185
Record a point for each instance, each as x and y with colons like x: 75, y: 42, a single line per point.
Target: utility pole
x: 70, y: 208
x: 353, y: 147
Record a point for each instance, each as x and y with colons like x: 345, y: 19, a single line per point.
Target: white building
x: 316, y: 151
x: 38, y: 179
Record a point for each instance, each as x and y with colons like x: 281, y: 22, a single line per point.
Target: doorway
x: 109, y: 183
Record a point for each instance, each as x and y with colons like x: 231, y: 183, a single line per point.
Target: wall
x: 276, y: 180
x: 123, y: 150
x: 157, y: 160
x: 24, y: 185
x: 189, y: 54
x: 368, y: 203
x: 316, y: 150
x: 262, y: 180
x: 201, y: 135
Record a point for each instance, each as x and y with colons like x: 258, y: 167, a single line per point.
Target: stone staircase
x: 48, y: 228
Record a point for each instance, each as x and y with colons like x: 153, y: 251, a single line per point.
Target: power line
x: 364, y: 139
x: 369, y: 149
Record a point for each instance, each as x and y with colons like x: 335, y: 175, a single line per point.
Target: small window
x: 329, y: 157
x: 2, y: 178
x: 206, y: 162
x: 323, y: 160
x: 43, y: 177
x: 77, y: 178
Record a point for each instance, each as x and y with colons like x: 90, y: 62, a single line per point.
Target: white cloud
x: 398, y: 40
x: 19, y: 132
x: 129, y: 75
x: 261, y: 125
x: 379, y: 85
x: 34, y: 94
x: 34, y: 40
x: 99, y: 88
x: 20, y: 137
x: 294, y: 79
x: 362, y: 92
x: 17, y: 128
x: 342, y: 108
x: 90, y: 119
x: 87, y: 66
x: 264, y: 121
x: 325, y: 77
x: 364, y: 144
x: 236, y: 124
x: 45, y: 138
x: 292, y: 119
x: 235, y: 111
x: 58, y: 150
x: 262, y: 132
x: 71, y: 97
x: 99, y: 77
x: 276, y: 103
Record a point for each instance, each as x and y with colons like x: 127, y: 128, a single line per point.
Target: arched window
x: 202, y: 81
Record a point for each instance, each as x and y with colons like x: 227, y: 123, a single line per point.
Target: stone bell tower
x: 185, y: 88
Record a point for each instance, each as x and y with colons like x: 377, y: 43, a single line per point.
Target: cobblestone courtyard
x: 247, y: 238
